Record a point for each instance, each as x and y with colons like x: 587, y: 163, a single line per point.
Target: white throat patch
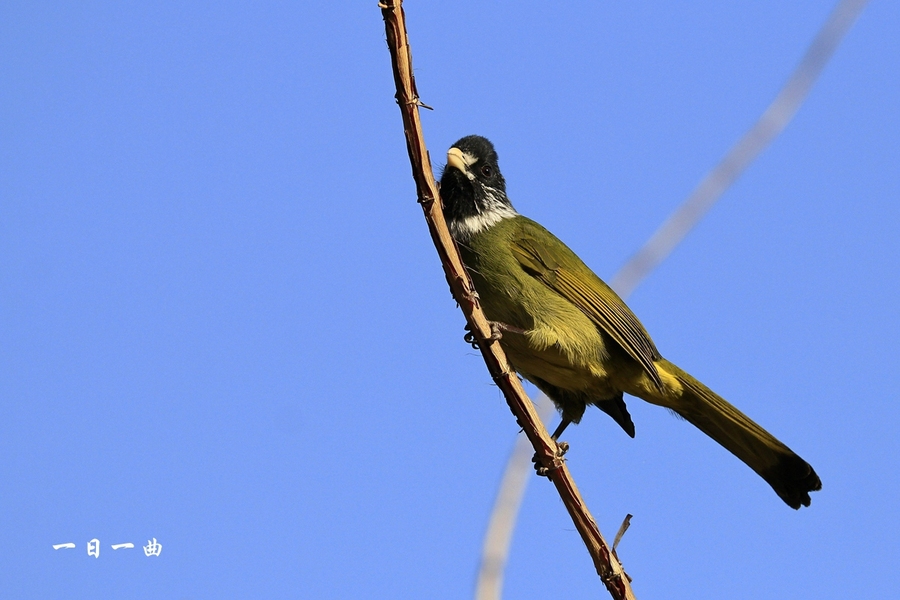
x: 463, y: 229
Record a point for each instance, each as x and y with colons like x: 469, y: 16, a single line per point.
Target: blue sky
x: 223, y: 325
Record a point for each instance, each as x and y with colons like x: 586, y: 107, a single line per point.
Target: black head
x: 472, y: 188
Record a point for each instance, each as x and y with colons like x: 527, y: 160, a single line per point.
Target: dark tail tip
x: 618, y: 411
x: 793, y: 479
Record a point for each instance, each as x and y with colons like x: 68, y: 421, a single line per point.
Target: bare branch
x: 547, y: 452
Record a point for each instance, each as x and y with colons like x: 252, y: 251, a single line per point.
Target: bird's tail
x: 790, y: 476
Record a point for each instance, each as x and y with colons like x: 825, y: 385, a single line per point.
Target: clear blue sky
x: 223, y: 325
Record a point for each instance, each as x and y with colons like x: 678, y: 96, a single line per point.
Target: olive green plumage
x: 564, y: 350
x: 571, y: 335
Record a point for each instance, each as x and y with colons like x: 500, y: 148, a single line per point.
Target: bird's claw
x: 496, y: 334
x: 470, y: 339
x: 543, y: 470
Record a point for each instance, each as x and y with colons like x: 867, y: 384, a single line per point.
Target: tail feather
x: 790, y: 476
x: 618, y: 411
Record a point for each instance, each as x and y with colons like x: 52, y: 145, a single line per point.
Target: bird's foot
x: 470, y: 337
x: 543, y: 470
x: 497, y: 330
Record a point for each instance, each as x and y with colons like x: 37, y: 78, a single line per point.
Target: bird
x: 567, y: 332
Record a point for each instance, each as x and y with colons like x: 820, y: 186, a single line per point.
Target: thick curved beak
x: 456, y: 160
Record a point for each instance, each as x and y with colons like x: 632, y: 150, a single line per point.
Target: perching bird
x: 568, y: 333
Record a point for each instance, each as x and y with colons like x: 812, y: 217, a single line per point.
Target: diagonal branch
x: 547, y: 451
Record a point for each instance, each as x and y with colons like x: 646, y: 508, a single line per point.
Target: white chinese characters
x: 153, y: 548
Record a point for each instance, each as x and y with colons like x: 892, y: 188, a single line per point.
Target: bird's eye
x: 487, y: 171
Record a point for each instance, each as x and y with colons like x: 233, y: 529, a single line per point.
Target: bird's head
x: 472, y: 188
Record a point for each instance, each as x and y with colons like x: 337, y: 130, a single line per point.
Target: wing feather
x: 561, y: 270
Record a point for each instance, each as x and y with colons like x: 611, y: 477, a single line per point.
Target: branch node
x: 613, y: 579
x: 468, y: 293
x: 503, y: 375
x: 414, y: 101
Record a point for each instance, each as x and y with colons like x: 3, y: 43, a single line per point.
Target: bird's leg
x: 562, y: 448
x: 562, y: 427
x: 498, y: 326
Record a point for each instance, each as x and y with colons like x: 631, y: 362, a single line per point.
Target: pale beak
x: 459, y: 160
x: 456, y: 159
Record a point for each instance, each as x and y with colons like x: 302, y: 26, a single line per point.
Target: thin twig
x: 608, y: 567
x: 498, y: 536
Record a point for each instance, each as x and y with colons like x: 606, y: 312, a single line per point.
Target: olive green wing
x: 561, y: 270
